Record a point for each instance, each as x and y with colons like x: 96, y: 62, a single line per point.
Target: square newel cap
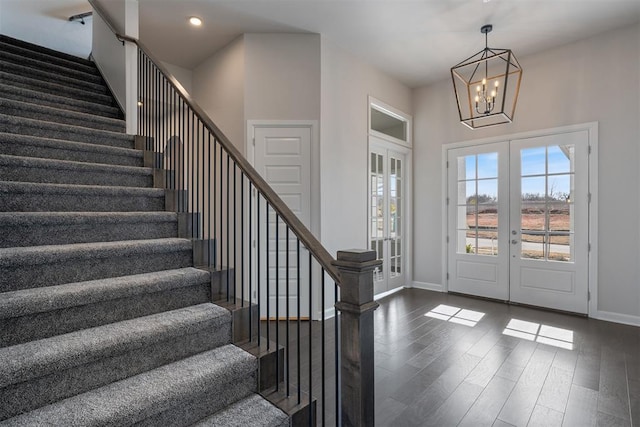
x: 357, y: 259
x: 356, y: 255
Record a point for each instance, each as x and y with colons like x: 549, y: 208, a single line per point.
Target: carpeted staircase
x: 103, y: 318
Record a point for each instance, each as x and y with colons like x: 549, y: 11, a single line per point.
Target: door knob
x: 514, y: 241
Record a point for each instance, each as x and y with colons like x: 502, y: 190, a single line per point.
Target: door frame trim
x: 592, y: 130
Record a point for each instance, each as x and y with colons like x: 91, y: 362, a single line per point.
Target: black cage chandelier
x: 486, y: 86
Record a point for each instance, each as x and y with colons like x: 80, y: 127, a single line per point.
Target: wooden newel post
x: 356, y: 307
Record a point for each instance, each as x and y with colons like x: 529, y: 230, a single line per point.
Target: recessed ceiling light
x: 195, y: 21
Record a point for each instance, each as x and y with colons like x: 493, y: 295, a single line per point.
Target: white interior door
x: 549, y: 221
x: 479, y: 220
x: 518, y: 221
x: 387, y: 205
x: 282, y: 156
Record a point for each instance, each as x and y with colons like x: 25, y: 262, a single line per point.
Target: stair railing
x: 262, y: 257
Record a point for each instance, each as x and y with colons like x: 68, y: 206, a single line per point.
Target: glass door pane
x: 547, y: 177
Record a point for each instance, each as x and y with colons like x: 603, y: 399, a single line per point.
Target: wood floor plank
x: 545, y: 417
x: 388, y: 410
x: 454, y: 407
x: 607, y: 420
x: 520, y: 404
x: 582, y: 407
x: 486, y: 408
x: 556, y: 388
x: 613, y: 396
x: 488, y: 366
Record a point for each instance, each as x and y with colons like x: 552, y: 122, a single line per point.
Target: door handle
x: 514, y: 241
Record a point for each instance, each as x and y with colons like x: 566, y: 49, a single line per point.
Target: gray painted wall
x: 596, y: 79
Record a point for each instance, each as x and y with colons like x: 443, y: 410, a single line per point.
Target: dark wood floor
x: 434, y: 372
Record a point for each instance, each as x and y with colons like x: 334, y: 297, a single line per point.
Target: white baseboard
x: 428, y: 286
x: 609, y: 316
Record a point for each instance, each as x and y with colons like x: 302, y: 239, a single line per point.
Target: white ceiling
x: 416, y: 41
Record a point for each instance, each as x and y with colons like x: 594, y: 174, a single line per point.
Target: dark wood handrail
x: 323, y: 257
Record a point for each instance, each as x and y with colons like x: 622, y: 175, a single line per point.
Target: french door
x: 518, y: 220
x: 387, y: 188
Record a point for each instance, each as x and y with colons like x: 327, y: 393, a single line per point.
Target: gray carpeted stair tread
x: 17, y: 93
x: 55, y: 88
x: 23, y: 51
x: 58, y: 115
x: 46, y: 76
x: 26, y: 126
x: 61, y: 70
x: 49, y: 265
x: 32, y: 169
x: 253, y: 410
x: 38, y: 197
x: 33, y: 255
x: 46, y: 371
x: 34, y: 146
x: 54, y: 228
x: 44, y: 50
x: 30, y: 301
x: 38, y: 358
x: 212, y: 373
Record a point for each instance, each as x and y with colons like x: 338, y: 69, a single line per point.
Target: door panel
x: 387, y: 170
x: 478, y: 220
x: 283, y: 159
x: 549, y: 221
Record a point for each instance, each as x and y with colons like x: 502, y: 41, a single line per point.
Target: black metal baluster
x: 250, y: 190
x: 336, y: 332
x: 192, y: 167
x: 235, y: 236
x: 322, y: 343
x: 268, y: 292
x: 242, y: 266
x: 222, y: 266
x: 210, y: 210
x: 311, y: 420
x: 299, y: 325
x: 228, y: 227
x: 277, y: 303
x: 258, y: 260
x: 288, y: 342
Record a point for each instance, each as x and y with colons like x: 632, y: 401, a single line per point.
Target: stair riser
x: 33, y: 394
x: 45, y: 76
x: 56, y: 89
x: 43, y: 325
x: 71, y: 176
x: 17, y: 148
x: 63, y: 117
x: 31, y: 275
x: 49, y: 59
x: 39, y: 202
x: 207, y: 402
x: 37, y: 64
x: 62, y: 234
x: 47, y: 130
x: 67, y: 104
